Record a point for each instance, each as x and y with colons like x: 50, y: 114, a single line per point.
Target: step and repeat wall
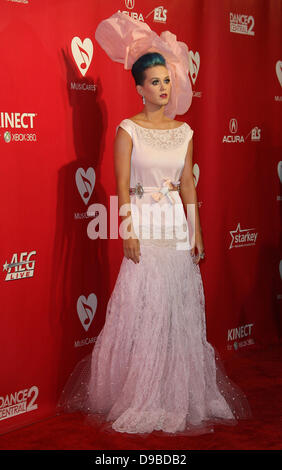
x: 61, y: 98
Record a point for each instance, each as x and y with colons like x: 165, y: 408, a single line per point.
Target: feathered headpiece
x: 125, y: 40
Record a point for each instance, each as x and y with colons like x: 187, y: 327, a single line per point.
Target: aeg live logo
x: 20, y: 266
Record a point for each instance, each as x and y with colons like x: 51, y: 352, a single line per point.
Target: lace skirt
x: 152, y: 368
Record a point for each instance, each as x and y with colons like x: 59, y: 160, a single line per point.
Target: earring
x: 143, y: 99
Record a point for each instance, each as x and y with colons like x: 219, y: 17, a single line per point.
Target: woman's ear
x: 139, y: 90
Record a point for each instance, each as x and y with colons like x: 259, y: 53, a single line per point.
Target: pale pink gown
x: 152, y: 367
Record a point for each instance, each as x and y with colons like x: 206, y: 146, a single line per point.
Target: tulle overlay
x: 151, y: 367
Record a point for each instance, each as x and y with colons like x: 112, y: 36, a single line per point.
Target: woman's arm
x: 122, y: 160
x: 189, y: 198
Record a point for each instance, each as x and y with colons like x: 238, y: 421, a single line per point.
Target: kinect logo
x: 16, y: 120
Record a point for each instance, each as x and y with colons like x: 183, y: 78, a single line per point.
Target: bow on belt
x: 166, y: 187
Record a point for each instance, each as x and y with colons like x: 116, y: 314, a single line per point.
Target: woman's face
x: 157, y: 85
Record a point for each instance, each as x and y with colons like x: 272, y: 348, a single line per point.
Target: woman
x: 153, y: 84
x: 152, y: 367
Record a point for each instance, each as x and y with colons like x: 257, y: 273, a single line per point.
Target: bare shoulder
x: 177, y: 123
x: 136, y: 117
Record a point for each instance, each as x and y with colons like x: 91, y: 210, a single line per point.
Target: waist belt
x: 163, y: 190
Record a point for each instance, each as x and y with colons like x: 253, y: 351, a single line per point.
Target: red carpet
x: 258, y: 373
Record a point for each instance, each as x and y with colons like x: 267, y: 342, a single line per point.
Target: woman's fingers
x: 133, y: 252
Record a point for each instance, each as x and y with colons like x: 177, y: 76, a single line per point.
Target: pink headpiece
x: 125, y: 39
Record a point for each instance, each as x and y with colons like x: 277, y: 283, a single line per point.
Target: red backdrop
x: 61, y: 99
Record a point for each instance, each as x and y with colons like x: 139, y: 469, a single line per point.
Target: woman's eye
x: 155, y: 82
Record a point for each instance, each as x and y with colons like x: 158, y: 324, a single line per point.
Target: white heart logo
x: 82, y: 53
x: 194, y: 65
x: 279, y: 169
x: 278, y: 68
x: 86, y: 309
x: 85, y: 182
x: 196, y: 173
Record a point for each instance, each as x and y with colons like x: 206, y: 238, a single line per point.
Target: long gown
x: 152, y: 367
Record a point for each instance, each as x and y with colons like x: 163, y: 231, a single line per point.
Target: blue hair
x: 144, y: 62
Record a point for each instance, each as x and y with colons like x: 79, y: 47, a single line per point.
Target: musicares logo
x: 82, y: 53
x: 194, y: 65
x: 85, y: 182
x: 86, y: 309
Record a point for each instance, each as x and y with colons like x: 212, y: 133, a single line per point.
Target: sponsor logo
x: 159, y: 14
x: 279, y: 171
x: 82, y: 53
x: 18, y: 403
x: 242, y: 237
x: 194, y: 65
x: 129, y: 4
x: 196, y: 173
x: 240, y: 336
x: 84, y: 342
x: 17, y: 121
x: 278, y: 69
x: 133, y: 14
x: 85, y: 183
x: 279, y: 296
x: 241, y: 24
x: 19, y: 269
x: 233, y: 137
x: 86, y: 309
x: 19, y: 1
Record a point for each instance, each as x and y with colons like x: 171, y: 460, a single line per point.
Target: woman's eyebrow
x: 153, y: 78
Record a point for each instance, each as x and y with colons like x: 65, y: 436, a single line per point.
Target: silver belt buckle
x: 139, y: 191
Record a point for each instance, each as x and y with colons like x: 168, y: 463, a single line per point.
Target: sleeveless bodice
x: 157, y: 155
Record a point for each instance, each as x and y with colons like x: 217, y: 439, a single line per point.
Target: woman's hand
x: 198, y: 248
x: 131, y: 248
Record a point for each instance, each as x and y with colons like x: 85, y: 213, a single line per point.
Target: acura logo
x: 129, y: 4
x: 233, y: 125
